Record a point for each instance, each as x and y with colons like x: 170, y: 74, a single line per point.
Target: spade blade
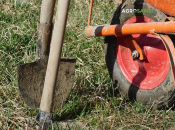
x: 31, y: 78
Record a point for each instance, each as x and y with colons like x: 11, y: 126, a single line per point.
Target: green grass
x: 93, y: 100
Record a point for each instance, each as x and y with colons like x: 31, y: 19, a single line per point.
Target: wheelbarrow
x: 139, y: 47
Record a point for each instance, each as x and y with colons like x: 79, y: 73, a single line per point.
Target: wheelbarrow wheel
x: 150, y: 81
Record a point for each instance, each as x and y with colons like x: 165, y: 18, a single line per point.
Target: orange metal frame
x: 166, y: 6
x: 90, y: 13
x: 126, y: 29
x: 136, y: 28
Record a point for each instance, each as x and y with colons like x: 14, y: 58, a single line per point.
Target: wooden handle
x: 44, y: 30
x: 54, y: 56
x: 47, y: 10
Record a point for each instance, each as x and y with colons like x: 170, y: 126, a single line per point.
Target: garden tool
x: 46, y: 106
x: 31, y: 76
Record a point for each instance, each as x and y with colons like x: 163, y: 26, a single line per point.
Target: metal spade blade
x: 31, y: 81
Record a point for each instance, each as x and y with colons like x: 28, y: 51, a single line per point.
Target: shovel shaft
x: 54, y: 56
x: 47, y: 10
x: 44, y: 30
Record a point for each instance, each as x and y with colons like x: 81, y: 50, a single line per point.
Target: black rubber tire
x: 161, y: 95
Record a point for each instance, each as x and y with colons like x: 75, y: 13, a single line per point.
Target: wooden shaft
x: 47, y: 10
x: 54, y: 56
x: 44, y: 29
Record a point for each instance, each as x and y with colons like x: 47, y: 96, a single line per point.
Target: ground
x: 93, y: 102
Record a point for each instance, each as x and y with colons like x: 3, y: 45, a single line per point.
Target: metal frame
x: 119, y: 30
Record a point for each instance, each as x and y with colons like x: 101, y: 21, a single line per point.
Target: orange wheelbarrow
x: 140, y: 50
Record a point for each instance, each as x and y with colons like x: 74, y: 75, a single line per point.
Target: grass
x: 93, y: 100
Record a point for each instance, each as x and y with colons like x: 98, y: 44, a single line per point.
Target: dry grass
x: 93, y: 100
